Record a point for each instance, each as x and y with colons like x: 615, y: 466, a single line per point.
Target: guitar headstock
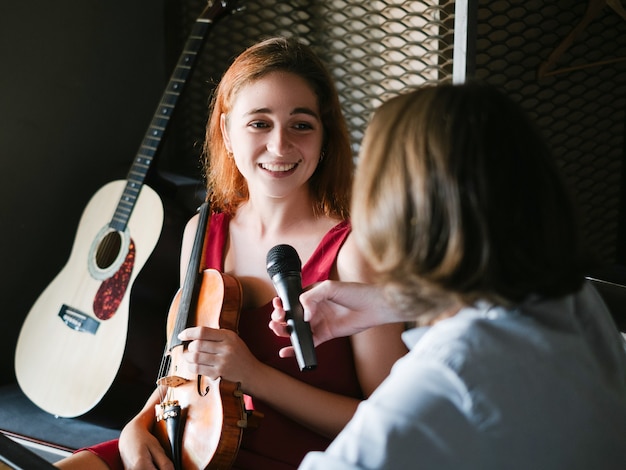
x: 220, y: 8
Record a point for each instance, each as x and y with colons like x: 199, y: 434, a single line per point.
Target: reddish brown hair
x: 331, y: 183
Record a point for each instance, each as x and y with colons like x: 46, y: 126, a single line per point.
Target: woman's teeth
x: 278, y: 166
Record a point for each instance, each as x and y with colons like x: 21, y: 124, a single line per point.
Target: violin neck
x: 191, y: 284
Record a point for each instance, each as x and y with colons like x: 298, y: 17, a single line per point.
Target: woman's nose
x: 279, y: 143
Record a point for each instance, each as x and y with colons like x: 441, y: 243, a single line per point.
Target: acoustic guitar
x: 72, y: 342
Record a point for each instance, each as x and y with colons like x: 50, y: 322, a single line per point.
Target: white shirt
x: 496, y: 389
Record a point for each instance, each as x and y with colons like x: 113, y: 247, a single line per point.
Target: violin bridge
x: 172, y: 381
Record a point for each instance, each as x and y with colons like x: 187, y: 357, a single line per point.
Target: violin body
x: 211, y: 416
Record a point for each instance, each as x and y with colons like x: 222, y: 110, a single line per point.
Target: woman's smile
x: 274, y: 133
x: 279, y: 167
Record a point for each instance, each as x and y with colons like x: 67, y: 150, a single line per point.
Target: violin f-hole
x: 202, y: 391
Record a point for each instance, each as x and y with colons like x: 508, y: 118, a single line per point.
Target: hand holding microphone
x: 284, y: 268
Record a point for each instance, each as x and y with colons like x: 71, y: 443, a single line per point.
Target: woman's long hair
x: 331, y: 183
x: 457, y: 198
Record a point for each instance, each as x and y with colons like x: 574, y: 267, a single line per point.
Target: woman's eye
x: 303, y: 126
x: 258, y: 124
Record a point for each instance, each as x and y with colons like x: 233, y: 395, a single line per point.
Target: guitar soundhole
x: 108, y: 250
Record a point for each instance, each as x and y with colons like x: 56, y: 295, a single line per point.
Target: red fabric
x: 279, y: 443
x: 109, y: 452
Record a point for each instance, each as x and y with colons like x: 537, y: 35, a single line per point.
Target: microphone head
x: 283, y: 259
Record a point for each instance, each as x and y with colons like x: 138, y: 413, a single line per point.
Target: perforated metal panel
x: 581, y: 111
x: 373, y: 49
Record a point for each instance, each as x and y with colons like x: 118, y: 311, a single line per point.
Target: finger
x: 277, y: 303
x: 199, y: 332
x: 279, y: 328
x: 278, y: 315
x: 161, y: 461
x: 189, y: 334
x: 306, y: 314
x: 286, y: 352
x: 193, y: 346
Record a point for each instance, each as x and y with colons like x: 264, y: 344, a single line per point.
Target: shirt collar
x: 482, y: 309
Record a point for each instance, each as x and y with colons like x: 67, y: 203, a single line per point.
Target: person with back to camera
x: 515, y: 362
x: 279, y: 171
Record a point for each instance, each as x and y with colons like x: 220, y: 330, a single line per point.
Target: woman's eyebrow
x: 308, y: 111
x: 301, y: 110
x: 258, y: 111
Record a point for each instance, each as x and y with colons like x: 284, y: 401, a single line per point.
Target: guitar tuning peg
x: 235, y: 7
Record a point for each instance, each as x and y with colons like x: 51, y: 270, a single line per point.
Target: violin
x: 199, y: 420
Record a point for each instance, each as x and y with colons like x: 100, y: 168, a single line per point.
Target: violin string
x: 162, y: 371
x: 186, y: 294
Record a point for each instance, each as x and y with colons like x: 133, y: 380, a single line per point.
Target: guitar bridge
x: 78, y: 320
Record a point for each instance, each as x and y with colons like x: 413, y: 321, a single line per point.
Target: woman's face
x: 274, y: 133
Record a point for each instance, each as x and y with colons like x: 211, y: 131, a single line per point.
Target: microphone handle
x: 289, y: 288
x: 301, y: 339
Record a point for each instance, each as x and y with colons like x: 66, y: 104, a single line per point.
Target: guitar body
x: 212, y: 412
x: 72, y: 341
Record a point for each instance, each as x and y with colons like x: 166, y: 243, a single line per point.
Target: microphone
x: 284, y: 268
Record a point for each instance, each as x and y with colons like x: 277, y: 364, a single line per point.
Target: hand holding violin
x: 139, y: 448
x: 221, y: 353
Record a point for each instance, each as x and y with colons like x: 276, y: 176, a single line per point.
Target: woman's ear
x: 225, y: 135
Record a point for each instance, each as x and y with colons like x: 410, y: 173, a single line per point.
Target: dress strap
x: 318, y: 267
x: 217, y: 233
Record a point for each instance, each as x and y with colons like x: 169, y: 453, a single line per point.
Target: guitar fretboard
x: 154, y: 135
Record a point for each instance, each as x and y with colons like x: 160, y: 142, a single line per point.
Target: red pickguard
x: 111, y: 292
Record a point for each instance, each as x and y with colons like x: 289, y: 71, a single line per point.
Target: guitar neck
x: 154, y: 135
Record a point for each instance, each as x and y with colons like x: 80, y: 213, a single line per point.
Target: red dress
x: 279, y: 443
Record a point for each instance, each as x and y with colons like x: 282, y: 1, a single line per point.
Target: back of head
x: 332, y: 181
x: 457, y: 193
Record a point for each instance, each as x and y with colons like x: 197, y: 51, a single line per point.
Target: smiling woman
x: 279, y: 171
x: 274, y: 130
x: 330, y: 184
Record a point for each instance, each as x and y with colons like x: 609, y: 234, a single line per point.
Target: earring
x: 322, y: 155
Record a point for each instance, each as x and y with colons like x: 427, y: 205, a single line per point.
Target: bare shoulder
x: 192, y: 224
x: 351, y: 265
x: 189, y: 233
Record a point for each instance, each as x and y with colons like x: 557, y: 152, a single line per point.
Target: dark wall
x: 79, y: 82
